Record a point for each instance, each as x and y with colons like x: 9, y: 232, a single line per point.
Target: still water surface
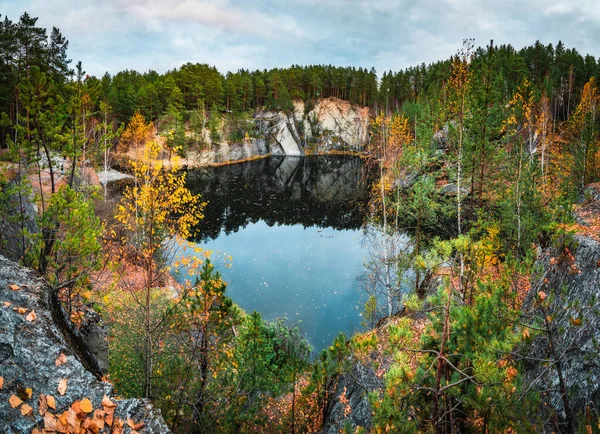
x: 292, y: 227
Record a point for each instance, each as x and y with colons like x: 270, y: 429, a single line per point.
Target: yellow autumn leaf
x: 86, y: 405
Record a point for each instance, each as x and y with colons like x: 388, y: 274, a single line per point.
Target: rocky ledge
x: 44, y: 386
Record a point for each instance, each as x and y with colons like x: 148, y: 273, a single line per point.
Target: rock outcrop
x: 569, y: 282
x: 36, y: 355
x: 18, y: 217
x: 350, y: 403
x: 331, y: 124
x: 334, y: 124
x: 280, y: 131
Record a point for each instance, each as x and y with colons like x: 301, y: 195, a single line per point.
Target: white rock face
x: 330, y: 124
x: 341, y: 124
x: 281, y: 132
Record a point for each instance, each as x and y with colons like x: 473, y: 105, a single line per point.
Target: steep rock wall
x: 331, y: 124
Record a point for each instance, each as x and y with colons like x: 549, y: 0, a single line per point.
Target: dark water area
x: 321, y: 191
x: 292, y: 228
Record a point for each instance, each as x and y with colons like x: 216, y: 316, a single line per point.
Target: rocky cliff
x: 43, y: 382
x: 329, y: 124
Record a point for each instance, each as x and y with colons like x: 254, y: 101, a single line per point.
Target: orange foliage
x: 137, y: 133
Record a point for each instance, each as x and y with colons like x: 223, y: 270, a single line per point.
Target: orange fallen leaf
x: 109, y: 406
x: 62, y: 386
x: 1, y: 382
x: 108, y: 419
x: 75, y: 407
x: 51, y: 402
x: 29, y: 392
x: 42, y: 404
x: 93, y: 427
x: 71, y: 418
x: 86, y: 405
x: 61, y: 360
x: 107, y: 402
x: 130, y: 423
x: 63, y: 418
x: 117, y: 426
x: 31, y: 317
x: 36, y: 431
x: 139, y: 426
x: 14, y: 287
x: 50, y: 421
x: 22, y: 310
x: 7, y: 304
x: 63, y: 429
x: 15, y: 401
x: 26, y: 409
x: 99, y: 418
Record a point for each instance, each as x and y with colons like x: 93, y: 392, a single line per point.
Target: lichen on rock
x: 36, y: 358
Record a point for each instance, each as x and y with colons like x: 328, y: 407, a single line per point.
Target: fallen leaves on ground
x: 14, y: 287
x: 51, y: 402
x: 1, y: 382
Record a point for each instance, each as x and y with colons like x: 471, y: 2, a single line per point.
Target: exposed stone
x: 13, y: 222
x: 406, y: 181
x: 571, y: 283
x: 330, y: 125
x: 451, y: 189
x: 111, y: 176
x: 355, y: 387
x: 341, y: 125
x: 279, y: 128
x: 29, y: 349
x: 95, y: 333
x: 590, y: 192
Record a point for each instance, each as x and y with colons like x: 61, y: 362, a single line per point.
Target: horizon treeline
x: 557, y: 72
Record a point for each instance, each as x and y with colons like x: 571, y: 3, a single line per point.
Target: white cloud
x: 231, y: 34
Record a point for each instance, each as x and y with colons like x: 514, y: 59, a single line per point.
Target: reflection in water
x: 323, y: 191
x: 292, y: 227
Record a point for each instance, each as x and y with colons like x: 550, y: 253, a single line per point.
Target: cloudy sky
x: 111, y: 35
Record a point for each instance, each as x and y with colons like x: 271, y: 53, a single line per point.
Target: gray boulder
x: 30, y: 345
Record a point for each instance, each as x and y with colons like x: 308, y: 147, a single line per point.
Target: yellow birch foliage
x: 391, y: 134
x: 159, y: 206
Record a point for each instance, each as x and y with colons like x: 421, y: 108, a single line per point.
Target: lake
x: 293, y: 229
